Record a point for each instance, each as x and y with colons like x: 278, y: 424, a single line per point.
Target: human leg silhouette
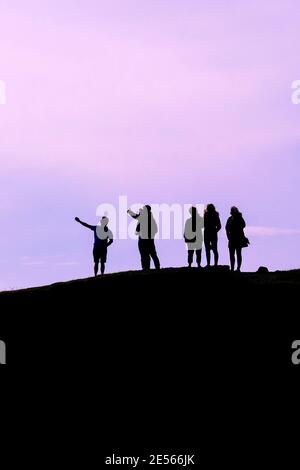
x: 96, y: 256
x: 214, y: 247
x: 239, y: 258
x: 207, y: 251
x: 144, y: 253
x: 190, y: 257
x: 146, y: 262
x: 102, y: 266
x: 96, y: 267
x: 198, y: 257
x: 232, y: 257
x: 153, y: 254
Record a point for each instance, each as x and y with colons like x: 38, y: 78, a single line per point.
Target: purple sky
x: 163, y: 101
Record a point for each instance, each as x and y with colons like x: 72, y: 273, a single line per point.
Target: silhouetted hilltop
x: 156, y: 347
x: 140, y: 282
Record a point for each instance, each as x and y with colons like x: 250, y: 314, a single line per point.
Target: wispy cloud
x: 67, y: 263
x: 49, y: 260
x: 33, y: 263
x: 258, y: 231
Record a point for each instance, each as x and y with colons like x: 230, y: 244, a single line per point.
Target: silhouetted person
x: 212, y: 225
x: 236, y: 238
x: 146, y: 230
x: 193, y: 236
x: 103, y: 237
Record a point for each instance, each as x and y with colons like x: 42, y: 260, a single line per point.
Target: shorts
x: 100, y: 254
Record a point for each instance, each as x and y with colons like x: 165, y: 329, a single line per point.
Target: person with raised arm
x: 146, y: 230
x: 103, y: 238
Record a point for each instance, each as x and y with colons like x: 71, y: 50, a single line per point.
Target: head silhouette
x: 234, y: 211
x: 210, y: 208
x: 104, y: 221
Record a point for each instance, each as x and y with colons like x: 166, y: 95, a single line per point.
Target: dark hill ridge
x: 180, y: 310
x: 160, y: 350
x: 179, y: 277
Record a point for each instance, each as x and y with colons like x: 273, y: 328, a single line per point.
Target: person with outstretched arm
x: 103, y: 238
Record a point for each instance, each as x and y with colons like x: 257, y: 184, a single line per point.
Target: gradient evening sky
x: 163, y: 101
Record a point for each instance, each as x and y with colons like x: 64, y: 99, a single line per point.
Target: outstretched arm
x: 84, y: 224
x: 132, y: 214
